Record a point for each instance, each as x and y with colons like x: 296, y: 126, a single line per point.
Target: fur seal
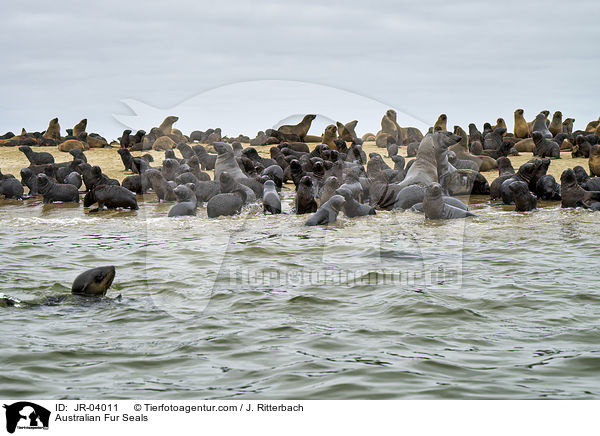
x: 226, y: 162
x: 440, y: 124
x: 389, y: 129
x: 568, y: 125
x: 80, y: 128
x: 329, y: 136
x: 353, y: 208
x: 160, y: 186
x: 163, y: 143
x: 271, y: 200
x: 111, y: 197
x: 327, y: 213
x: 187, y: 202
x: 72, y: 144
x: 35, y: 158
x: 226, y: 204
x: 329, y: 188
x: 573, y: 195
x: 582, y: 147
x: 346, y: 131
x: 424, y: 170
x: 544, y: 147
x: 556, y: 125
x: 53, y: 130
x: 523, y: 198
x: 166, y: 127
x: 435, y: 208
x: 53, y: 192
x: 94, y: 281
x: 539, y: 125
x: 305, y: 200
x: 299, y: 130
x: 505, y: 171
x: 11, y: 188
x: 594, y: 161
x: 73, y: 178
x: 521, y: 129
x: 546, y: 188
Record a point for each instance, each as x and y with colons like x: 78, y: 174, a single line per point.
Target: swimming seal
x: 327, y: 213
x: 435, y: 208
x: 111, y: 197
x: 523, y: 198
x: 53, y: 192
x: 94, y: 282
x: 187, y: 202
x: 271, y: 200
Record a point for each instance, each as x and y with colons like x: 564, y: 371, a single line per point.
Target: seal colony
x: 333, y: 176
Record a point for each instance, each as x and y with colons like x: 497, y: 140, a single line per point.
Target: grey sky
x: 474, y: 61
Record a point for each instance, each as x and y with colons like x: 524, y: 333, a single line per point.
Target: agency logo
x: 26, y: 415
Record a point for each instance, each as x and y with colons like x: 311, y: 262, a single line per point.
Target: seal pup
x: 35, y: 158
x: 226, y: 204
x: 54, y: 192
x: 94, y: 282
x: 573, y: 195
x: 305, y: 200
x: 582, y: 147
x: 160, y: 186
x: 546, y: 188
x: 73, y: 178
x: 11, y: 188
x: 435, y: 208
x: 353, y: 208
x: 523, y: 198
x: 505, y: 171
x: 187, y: 202
x: 327, y: 213
x: 328, y: 189
x: 111, y: 197
x: 271, y: 200
x: 544, y: 147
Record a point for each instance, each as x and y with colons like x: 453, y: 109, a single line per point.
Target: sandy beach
x: 12, y: 160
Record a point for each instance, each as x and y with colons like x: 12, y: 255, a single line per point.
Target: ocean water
x: 504, y: 305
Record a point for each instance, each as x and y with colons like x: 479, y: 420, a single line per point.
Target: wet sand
x: 12, y: 160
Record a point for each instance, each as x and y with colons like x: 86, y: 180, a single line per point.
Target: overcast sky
x: 474, y: 61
